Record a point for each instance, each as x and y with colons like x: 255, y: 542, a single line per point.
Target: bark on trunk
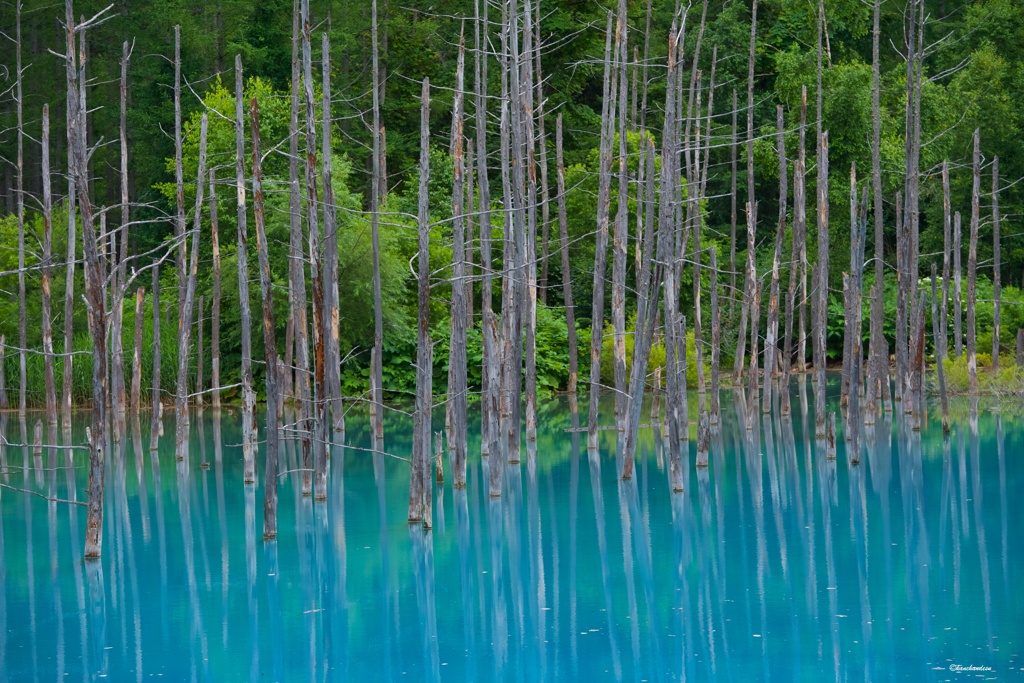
x: 716, y: 338
x: 489, y: 392
x: 20, y: 192
x: 136, y: 391
x: 424, y: 355
x: 331, y: 313
x: 972, y: 268
x: 47, y: 323
x: 996, y: 265
x: 248, y: 392
x: 620, y: 236
x: 563, y: 233
x: 821, y: 285
x: 179, y: 183
x: 457, y: 346
x: 772, y: 333
x: 601, y: 241
x: 376, y: 367
x: 958, y: 333
x: 940, y: 351
x: 270, y: 473
x: 200, y: 353
x: 215, y: 303
x: 184, y: 338
x: 155, y: 399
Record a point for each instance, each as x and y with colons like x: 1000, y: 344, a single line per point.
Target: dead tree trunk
x: 376, y: 358
x: 716, y: 338
x: 69, y: 278
x: 488, y: 418
x: 136, y: 391
x: 821, y: 285
x: 155, y: 400
x: 940, y: 351
x: 848, y: 314
x: 3, y: 377
x: 215, y: 303
x: 958, y: 333
x: 771, y: 341
x: 331, y: 323
x: 800, y: 228
x: 545, y: 210
x: 248, y: 392
x: 643, y: 334
x: 269, y: 341
x: 316, y: 415
x: 563, y: 233
x: 997, y: 285
x: 184, y: 338
x: 947, y: 229
x: 601, y: 247
x: 972, y: 268
x: 528, y: 141
x: 47, y: 323
x: 903, y: 302
x: 733, y: 145
x: 179, y: 182
x: 424, y: 355
x: 457, y: 346
x: 752, y: 373
x: 878, y: 360
x: 620, y: 237
x: 20, y: 191
x: 200, y: 353
x: 751, y: 219
x: 118, y: 398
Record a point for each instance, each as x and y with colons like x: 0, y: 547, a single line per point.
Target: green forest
x: 972, y: 78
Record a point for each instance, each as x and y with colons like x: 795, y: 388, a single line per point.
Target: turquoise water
x: 773, y: 564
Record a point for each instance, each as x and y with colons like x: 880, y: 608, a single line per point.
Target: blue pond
x: 774, y: 563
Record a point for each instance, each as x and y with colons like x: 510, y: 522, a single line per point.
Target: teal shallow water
x: 773, y: 564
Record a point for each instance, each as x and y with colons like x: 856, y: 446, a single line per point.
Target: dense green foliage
x: 974, y: 78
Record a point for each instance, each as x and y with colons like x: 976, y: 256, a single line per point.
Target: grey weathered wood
x: 752, y: 372
x: 424, y: 356
x: 601, y: 234
x: 315, y: 433
x: 771, y: 341
x: 1020, y: 347
x: 155, y: 398
x: 643, y: 334
x: 947, y: 229
x: 972, y: 267
x: 248, y: 392
x: 732, y: 208
x: 470, y: 276
x: 47, y: 322
x: 20, y: 200
x: 620, y: 236
x: 542, y: 154
x: 821, y: 285
x: 997, y: 266
x: 69, y: 276
x: 800, y: 230
x: 376, y: 367
x: 331, y: 313
x: 457, y: 391
x: 179, y: 186
x: 940, y: 351
x: 529, y: 293
x: 716, y: 337
x: 563, y: 233
x: 185, y: 334
x: 215, y: 297
x: 200, y: 353
x: 958, y: 335
x: 119, y: 263
x: 878, y: 360
x: 489, y: 393
x: 270, y: 473
x: 848, y: 314
x: 749, y: 287
x: 3, y: 377
x: 830, y: 437
x: 136, y: 390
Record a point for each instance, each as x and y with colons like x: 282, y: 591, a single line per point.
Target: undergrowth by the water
x: 1007, y: 380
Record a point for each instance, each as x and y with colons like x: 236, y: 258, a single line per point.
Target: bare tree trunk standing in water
x: 69, y: 278
x: 947, y: 239
x: 118, y: 398
x: 136, y: 391
x: 733, y: 146
x: 184, y: 338
x: 716, y: 337
x: 621, y: 234
x: 958, y: 332
x: 269, y: 340
x: 20, y: 190
x: 200, y: 351
x: 996, y: 265
x: 297, y: 260
x: 47, y: 323
x: 424, y: 355
x: 972, y: 268
x: 822, y: 270
x: 488, y: 418
x: 77, y: 114
x: 179, y: 180
x: 248, y: 392
x: 878, y: 362
x: 526, y: 121
x: 542, y: 149
x: 314, y: 432
x: 601, y: 249
x: 771, y: 341
x: 457, y: 345
x: 800, y: 226
x: 215, y: 307
x: 376, y: 360
x: 331, y: 322
x: 563, y: 233
x: 751, y: 218
x: 155, y: 400
x: 940, y: 350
